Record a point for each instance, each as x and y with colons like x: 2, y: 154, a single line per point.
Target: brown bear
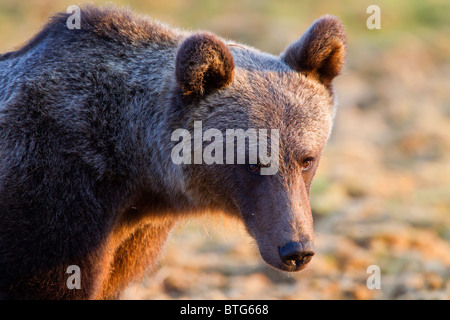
x: 87, y: 179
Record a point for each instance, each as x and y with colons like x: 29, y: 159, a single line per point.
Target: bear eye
x: 307, y: 164
x: 254, y: 168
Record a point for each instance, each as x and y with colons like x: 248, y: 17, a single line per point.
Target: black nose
x: 296, y: 254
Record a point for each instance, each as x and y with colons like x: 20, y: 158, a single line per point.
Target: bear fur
x: 86, y: 116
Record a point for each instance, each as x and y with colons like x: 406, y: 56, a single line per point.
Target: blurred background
x: 381, y: 195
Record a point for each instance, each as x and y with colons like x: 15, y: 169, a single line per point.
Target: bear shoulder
x: 119, y: 26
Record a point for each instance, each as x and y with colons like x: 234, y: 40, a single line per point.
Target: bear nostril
x: 294, y: 255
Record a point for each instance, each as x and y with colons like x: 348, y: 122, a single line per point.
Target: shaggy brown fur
x: 86, y: 118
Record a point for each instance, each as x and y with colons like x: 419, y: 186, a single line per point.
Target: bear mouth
x: 296, y: 265
x: 289, y: 267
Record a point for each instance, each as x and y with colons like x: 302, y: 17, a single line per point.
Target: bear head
x: 222, y: 86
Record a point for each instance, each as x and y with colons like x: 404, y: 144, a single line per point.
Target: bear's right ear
x: 320, y: 52
x: 203, y: 65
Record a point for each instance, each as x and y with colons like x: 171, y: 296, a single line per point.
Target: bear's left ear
x: 203, y: 64
x: 320, y: 52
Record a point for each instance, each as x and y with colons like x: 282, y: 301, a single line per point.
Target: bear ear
x: 320, y: 52
x: 203, y: 65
